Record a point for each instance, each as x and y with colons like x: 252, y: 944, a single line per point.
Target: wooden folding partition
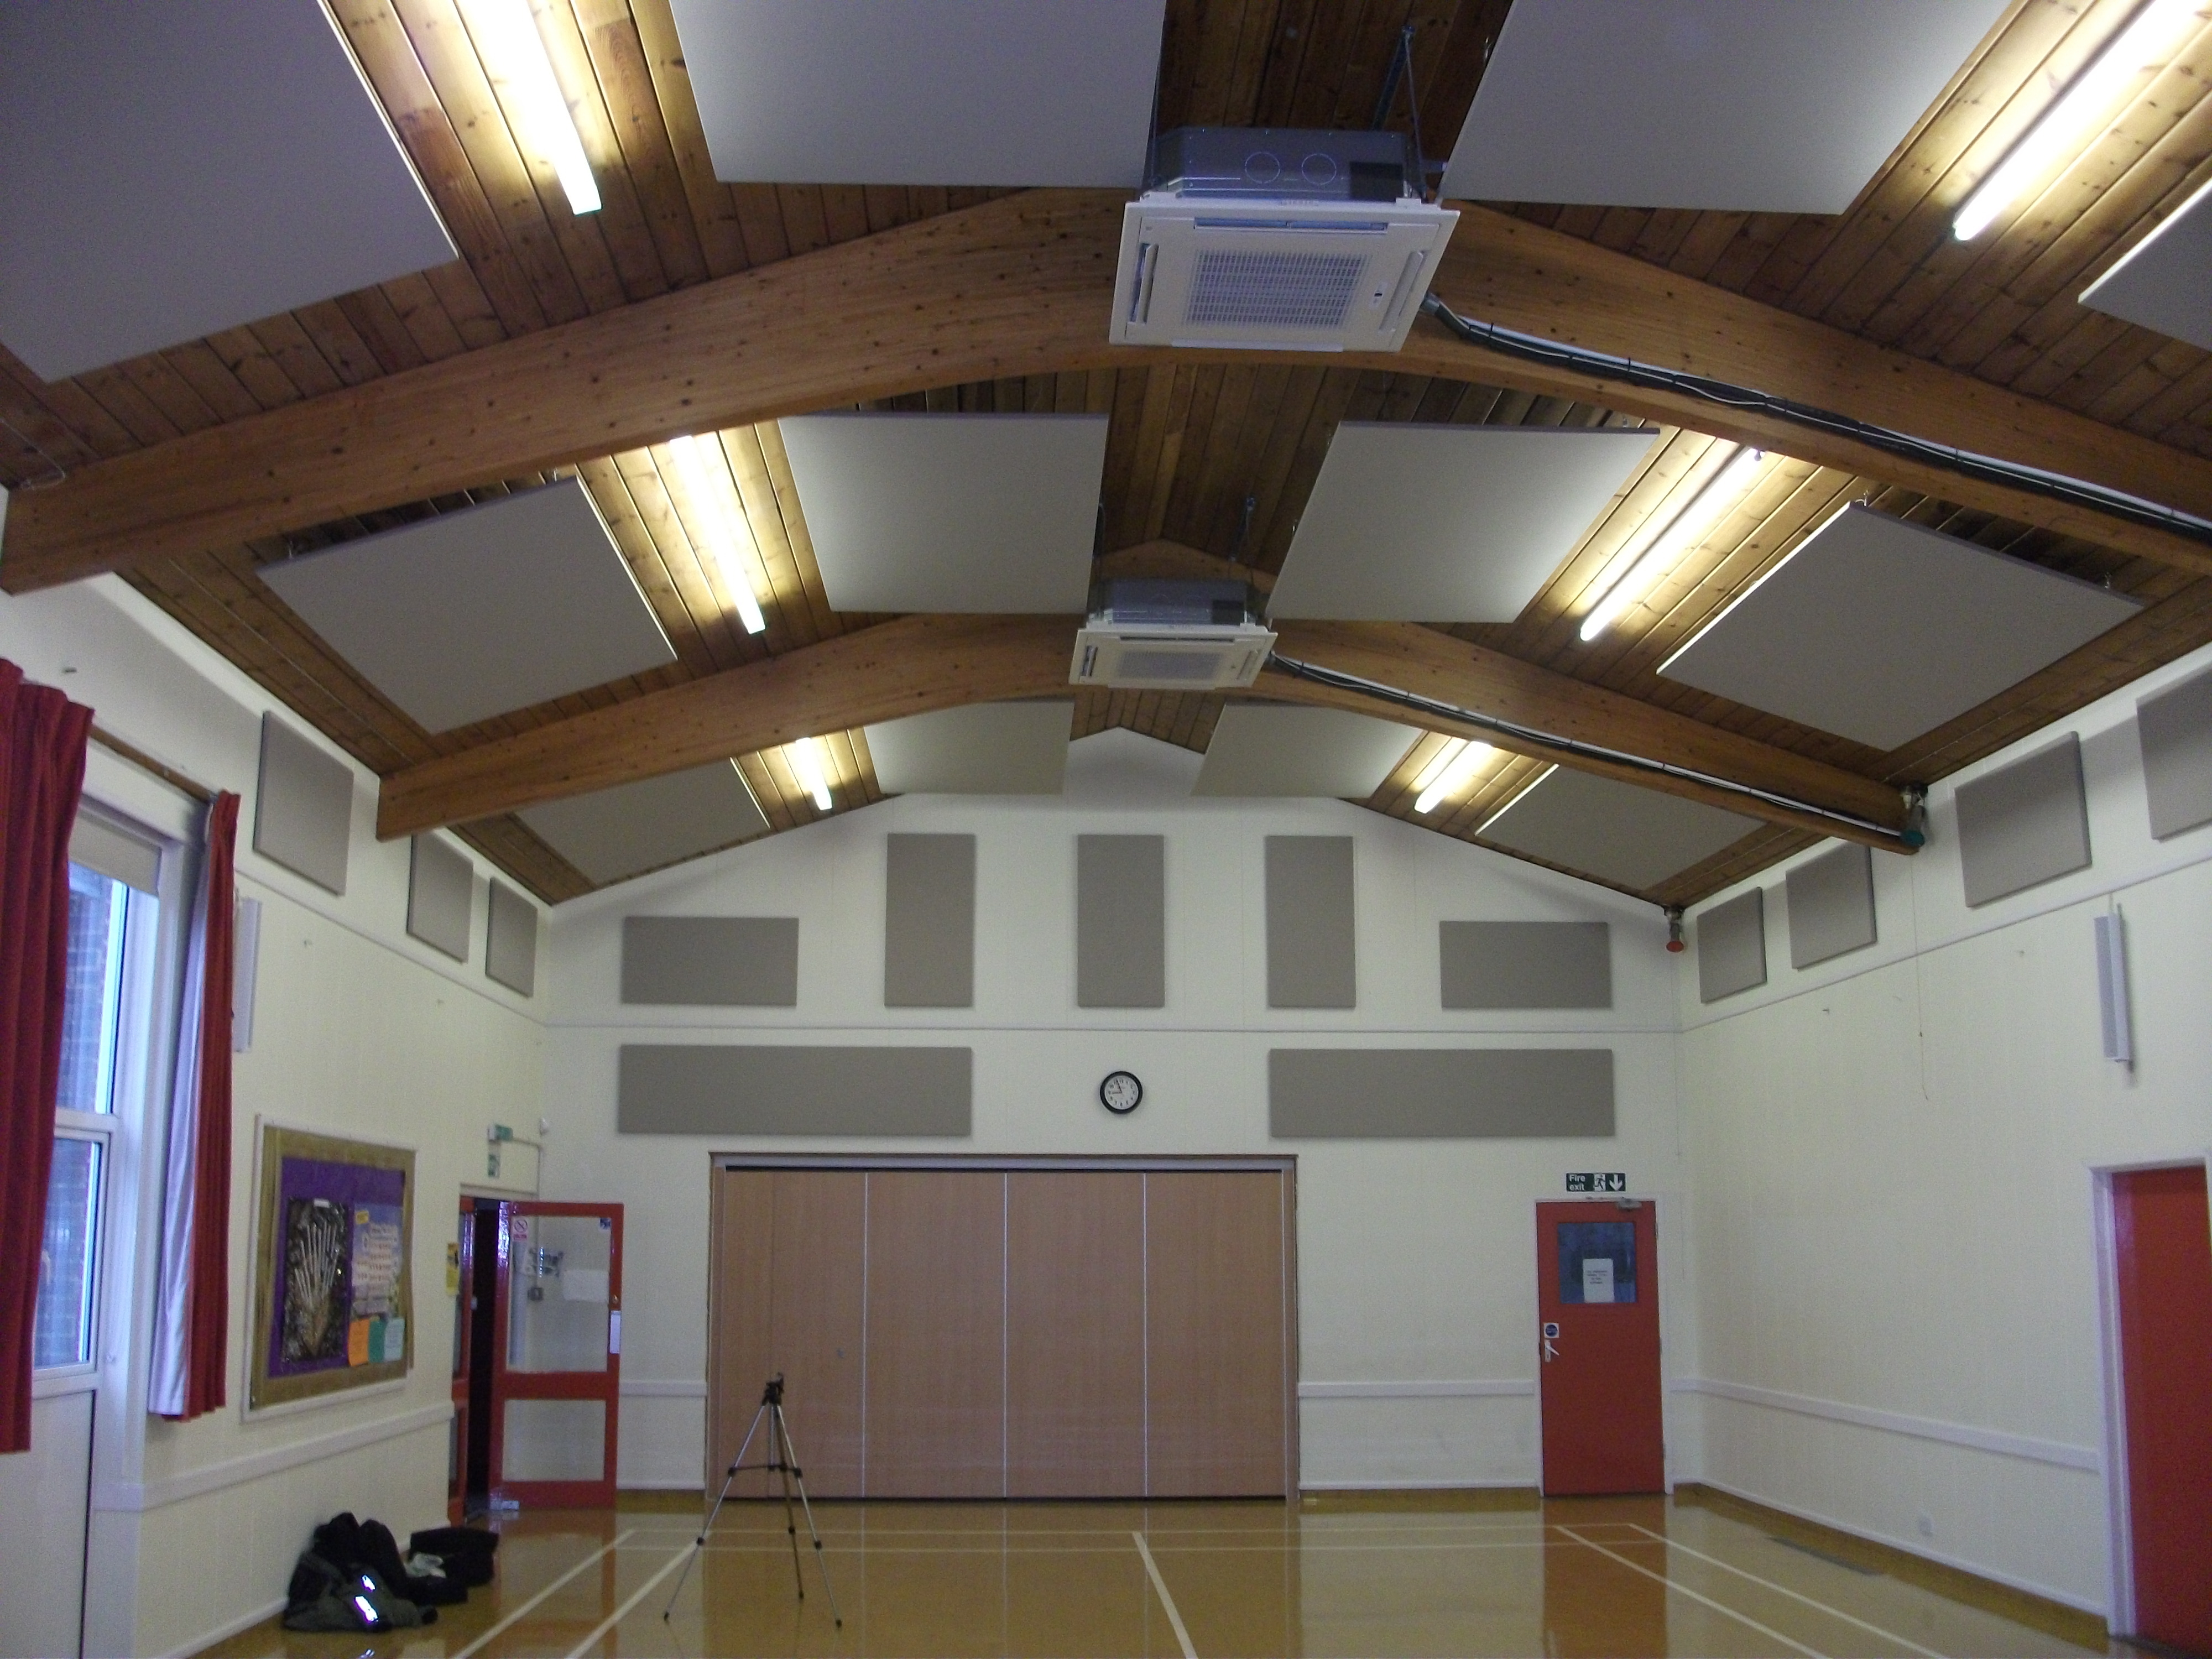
x: 1075, y: 1334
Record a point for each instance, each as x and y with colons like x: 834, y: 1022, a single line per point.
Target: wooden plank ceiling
x: 1189, y: 447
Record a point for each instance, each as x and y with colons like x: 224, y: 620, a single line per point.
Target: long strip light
x: 516, y: 53
x: 1516, y: 797
x: 721, y: 535
x: 805, y: 758
x: 1446, y: 775
x: 2144, y: 42
x: 1618, y: 588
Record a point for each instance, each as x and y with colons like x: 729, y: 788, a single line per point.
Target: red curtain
x: 42, y: 738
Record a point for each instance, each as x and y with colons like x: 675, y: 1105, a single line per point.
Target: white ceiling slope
x: 1745, y: 105
x: 925, y: 92
x: 1878, y: 630
x: 1262, y: 750
x: 1448, y: 524
x: 2162, y: 284
x: 467, y: 615
x: 177, y: 168
x: 1619, y: 832
x: 620, y: 832
x: 1121, y: 768
x: 983, y: 749
x: 951, y: 513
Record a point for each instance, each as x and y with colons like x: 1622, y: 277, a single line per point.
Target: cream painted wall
x: 1892, y: 1158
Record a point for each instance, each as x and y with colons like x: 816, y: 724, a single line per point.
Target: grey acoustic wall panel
x: 776, y: 1089
x: 611, y: 834
x: 1311, y: 959
x: 1525, y: 965
x: 1121, y: 922
x: 2176, y: 728
x: 511, y: 940
x: 1830, y: 901
x: 711, y: 961
x: 1259, y: 749
x: 497, y: 606
x: 442, y: 891
x: 1439, y: 1094
x: 1449, y: 523
x: 2160, y: 283
x: 303, y: 806
x: 1622, y: 833
x: 2025, y: 824
x: 929, y: 922
x: 1878, y: 630
x: 984, y: 749
x: 1732, y: 946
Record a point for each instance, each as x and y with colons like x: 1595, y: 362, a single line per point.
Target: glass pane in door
x: 557, y: 1293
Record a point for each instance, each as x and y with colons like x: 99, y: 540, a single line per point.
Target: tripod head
x: 773, y: 1394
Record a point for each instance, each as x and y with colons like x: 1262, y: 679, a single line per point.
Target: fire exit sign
x: 1589, y: 1182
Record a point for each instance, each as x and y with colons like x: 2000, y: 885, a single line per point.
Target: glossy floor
x: 1610, y: 1577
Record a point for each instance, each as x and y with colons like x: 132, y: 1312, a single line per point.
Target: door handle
x: 1550, y: 1352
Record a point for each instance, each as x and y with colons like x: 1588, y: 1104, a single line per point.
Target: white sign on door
x: 1597, y: 1279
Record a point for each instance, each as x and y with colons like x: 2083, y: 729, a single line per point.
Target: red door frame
x: 505, y: 1385
x: 1618, y: 1343
x: 457, y: 1484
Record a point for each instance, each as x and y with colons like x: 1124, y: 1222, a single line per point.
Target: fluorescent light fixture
x: 1622, y: 583
x: 805, y: 758
x: 2145, y: 41
x: 694, y: 462
x: 514, y: 52
x: 1517, y: 797
x: 1446, y: 775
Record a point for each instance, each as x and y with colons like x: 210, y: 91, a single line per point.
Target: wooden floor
x: 1600, y: 1576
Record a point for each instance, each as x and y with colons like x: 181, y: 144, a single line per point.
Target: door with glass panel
x: 1597, y: 1305
x: 557, y: 1368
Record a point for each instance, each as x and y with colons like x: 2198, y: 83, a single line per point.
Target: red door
x: 556, y: 1367
x: 460, y: 1282
x: 1597, y: 1297
x: 2162, y: 1257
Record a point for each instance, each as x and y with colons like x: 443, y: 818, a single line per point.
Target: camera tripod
x: 783, y: 1462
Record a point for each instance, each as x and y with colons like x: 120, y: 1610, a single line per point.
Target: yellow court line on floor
x: 596, y: 1555
x: 1795, y: 1596
x: 1723, y: 1608
x: 1175, y: 1618
x: 625, y: 1609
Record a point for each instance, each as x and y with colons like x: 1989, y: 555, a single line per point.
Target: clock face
x: 1121, y: 1092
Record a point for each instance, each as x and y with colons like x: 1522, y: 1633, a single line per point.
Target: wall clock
x: 1121, y: 1093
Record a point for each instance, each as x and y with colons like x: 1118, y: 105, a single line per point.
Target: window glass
x: 62, y: 1332
x: 1597, y: 1262
x: 92, y: 998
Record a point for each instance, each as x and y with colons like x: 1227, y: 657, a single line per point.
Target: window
x: 92, y: 1012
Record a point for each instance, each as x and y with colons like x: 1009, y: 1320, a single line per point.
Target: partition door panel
x: 1218, y: 1334
x: 745, y: 1223
x: 817, y: 1321
x: 1075, y: 1334
x: 936, y: 1357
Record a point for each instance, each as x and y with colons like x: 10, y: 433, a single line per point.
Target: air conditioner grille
x: 1198, y: 667
x: 1274, y: 291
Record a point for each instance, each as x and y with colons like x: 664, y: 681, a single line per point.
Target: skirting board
x: 664, y: 1388
x: 1920, y: 1428
x: 224, y: 1632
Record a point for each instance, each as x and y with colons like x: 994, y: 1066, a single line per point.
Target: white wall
x: 359, y: 1030
x: 1892, y: 1159
x: 1416, y: 1259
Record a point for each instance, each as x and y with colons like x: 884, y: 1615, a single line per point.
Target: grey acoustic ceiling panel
x: 1312, y: 960
x: 710, y: 962
x: 1439, y: 1094
x: 303, y: 806
x: 1879, y: 630
x: 929, y: 922
x: 959, y: 513
x: 511, y: 940
x: 1259, y: 749
x: 719, y: 1089
x: 441, y: 891
x: 2175, y: 729
x: 1732, y: 946
x: 1831, y: 900
x: 615, y: 833
x: 2024, y: 824
x: 1740, y: 106
x: 1448, y: 524
x: 1620, y: 833
x: 925, y: 92
x: 2160, y: 283
x: 469, y: 614
x: 984, y: 749
x: 1121, y: 922
x: 178, y: 168
x: 1525, y: 965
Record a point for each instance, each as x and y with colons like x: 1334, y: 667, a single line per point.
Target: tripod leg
x: 699, y: 1543
x: 780, y: 1436
x: 820, y: 1565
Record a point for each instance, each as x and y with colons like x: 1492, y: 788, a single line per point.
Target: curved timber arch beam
x: 1019, y: 286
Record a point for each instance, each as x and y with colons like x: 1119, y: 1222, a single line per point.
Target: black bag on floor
x: 466, y: 1551
x: 324, y: 1596
x: 379, y: 1553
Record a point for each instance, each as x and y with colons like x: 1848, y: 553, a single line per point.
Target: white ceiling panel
x: 1619, y: 832
x: 1447, y: 523
x: 1745, y: 105
x: 984, y: 749
x: 642, y: 826
x: 960, y: 513
x: 1262, y: 750
x: 2161, y: 284
x: 1878, y: 630
x: 925, y: 92
x: 497, y: 606
x: 1121, y: 768
x: 176, y: 167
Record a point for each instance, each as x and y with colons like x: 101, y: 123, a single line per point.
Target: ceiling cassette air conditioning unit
x: 1171, y: 636
x: 1269, y: 238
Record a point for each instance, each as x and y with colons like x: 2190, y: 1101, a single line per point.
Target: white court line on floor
x: 1795, y: 1596
x: 1290, y: 1545
x: 1771, y: 1634
x: 1160, y: 1584
x: 625, y: 1609
x: 597, y: 1555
